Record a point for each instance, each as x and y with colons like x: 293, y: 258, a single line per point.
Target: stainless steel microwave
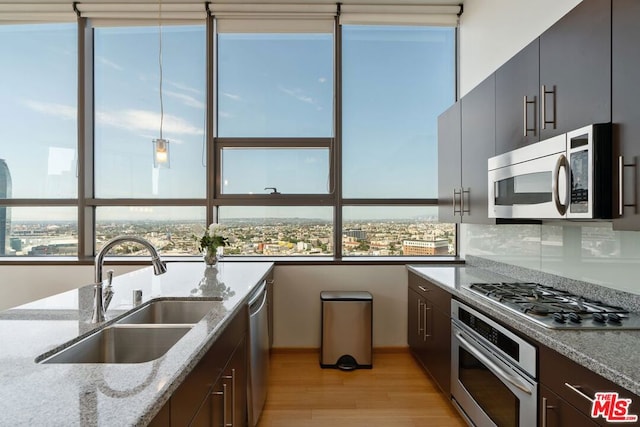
x: 569, y: 176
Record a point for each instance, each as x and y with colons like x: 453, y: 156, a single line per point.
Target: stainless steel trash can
x: 347, y: 334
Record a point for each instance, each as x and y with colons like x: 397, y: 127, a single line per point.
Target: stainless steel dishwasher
x: 258, y: 353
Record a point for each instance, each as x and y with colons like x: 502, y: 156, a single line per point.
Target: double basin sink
x: 143, y: 335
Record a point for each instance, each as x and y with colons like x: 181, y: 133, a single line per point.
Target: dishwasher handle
x: 258, y: 301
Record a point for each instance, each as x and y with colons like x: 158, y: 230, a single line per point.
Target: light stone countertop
x: 613, y: 354
x: 33, y: 394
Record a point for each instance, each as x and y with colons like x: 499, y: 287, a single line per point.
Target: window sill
x: 301, y: 260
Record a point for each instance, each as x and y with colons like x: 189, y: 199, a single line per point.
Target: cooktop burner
x: 554, y: 308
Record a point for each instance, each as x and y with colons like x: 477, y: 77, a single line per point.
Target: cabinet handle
x: 427, y: 310
x: 544, y: 411
x: 525, y: 118
x: 420, y: 318
x: 457, y: 192
x: 424, y: 322
x: 423, y: 289
x: 224, y: 400
x: 231, y: 377
x: 224, y: 403
x: 576, y: 388
x: 463, y: 204
x: 543, y: 106
x: 621, y: 166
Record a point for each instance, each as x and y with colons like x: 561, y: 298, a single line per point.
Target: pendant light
x: 160, y: 145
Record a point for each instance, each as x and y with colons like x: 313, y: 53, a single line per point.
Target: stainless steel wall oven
x: 493, y: 371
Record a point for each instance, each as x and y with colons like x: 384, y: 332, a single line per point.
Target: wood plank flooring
x: 395, y: 393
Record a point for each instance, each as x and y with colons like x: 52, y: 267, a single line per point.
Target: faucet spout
x: 99, y: 303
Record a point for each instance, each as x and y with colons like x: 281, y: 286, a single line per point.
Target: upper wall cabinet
x: 625, y: 98
x: 478, y: 145
x: 575, y: 69
x: 518, y: 100
x: 466, y: 140
x: 449, y: 173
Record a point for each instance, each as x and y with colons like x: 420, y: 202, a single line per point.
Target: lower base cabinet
x: 567, y: 391
x: 215, y: 392
x: 227, y: 400
x: 557, y: 412
x: 429, y: 329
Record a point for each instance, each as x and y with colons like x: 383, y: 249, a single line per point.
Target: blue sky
x: 395, y: 83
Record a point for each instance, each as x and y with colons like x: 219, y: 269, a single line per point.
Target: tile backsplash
x: 591, y: 253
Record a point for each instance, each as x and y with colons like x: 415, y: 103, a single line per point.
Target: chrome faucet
x: 100, y: 301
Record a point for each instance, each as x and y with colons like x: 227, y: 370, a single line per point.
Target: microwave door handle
x: 561, y: 163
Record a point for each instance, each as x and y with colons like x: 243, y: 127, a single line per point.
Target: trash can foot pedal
x: 347, y: 363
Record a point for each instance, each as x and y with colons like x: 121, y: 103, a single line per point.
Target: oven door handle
x: 491, y: 365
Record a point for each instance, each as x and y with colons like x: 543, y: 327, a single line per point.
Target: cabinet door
x: 210, y: 412
x: 578, y: 385
x: 438, y: 347
x: 478, y: 144
x: 518, y: 100
x: 625, y: 96
x: 236, y: 379
x: 449, y: 174
x: 556, y: 412
x: 416, y: 324
x: 575, y: 57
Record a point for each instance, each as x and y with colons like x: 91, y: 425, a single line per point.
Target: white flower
x: 213, y: 228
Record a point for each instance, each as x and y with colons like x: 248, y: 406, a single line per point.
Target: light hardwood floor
x: 395, y: 393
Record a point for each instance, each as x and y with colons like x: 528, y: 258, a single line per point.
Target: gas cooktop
x: 554, y: 308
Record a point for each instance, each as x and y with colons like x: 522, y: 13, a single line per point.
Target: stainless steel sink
x: 170, y: 312
x: 122, y: 344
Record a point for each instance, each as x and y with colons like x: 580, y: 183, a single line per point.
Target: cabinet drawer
x: 556, y: 412
x: 577, y: 384
x: 440, y: 298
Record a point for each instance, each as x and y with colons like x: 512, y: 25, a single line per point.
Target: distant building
x: 356, y: 234
x: 425, y: 247
x: 5, y: 212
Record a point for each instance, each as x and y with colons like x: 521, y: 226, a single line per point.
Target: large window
x: 38, y: 126
x: 275, y: 85
x: 38, y: 140
x: 307, y: 137
x: 396, y: 81
x: 278, y: 230
x: 128, y: 111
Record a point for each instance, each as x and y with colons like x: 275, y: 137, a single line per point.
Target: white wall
x: 492, y: 31
x: 296, y: 296
x: 297, y: 301
x: 22, y: 284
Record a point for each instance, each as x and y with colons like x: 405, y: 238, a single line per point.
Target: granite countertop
x: 110, y: 394
x: 613, y: 354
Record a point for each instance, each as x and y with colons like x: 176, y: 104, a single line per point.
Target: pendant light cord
x: 160, y: 63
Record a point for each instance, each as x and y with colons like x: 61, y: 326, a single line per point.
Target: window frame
x: 87, y: 203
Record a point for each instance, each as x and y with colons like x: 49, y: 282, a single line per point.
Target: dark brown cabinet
x: 429, y: 329
x: 559, y: 82
x: 625, y: 96
x: 575, y: 69
x: 478, y: 145
x: 449, y: 158
x: 518, y: 100
x: 216, y: 389
x: 226, y: 402
x: 556, y: 412
x: 569, y: 390
x: 466, y: 140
